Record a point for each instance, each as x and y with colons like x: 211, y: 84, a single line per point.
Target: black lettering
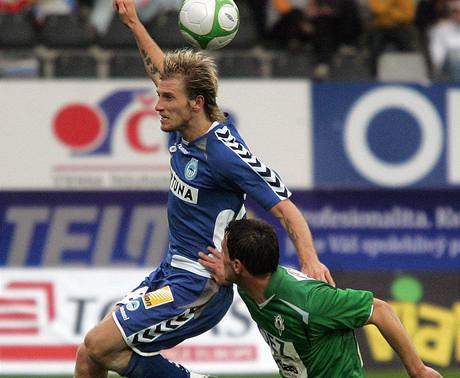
x: 189, y: 195
x: 81, y: 307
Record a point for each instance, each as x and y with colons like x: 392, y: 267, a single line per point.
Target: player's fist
x: 126, y: 10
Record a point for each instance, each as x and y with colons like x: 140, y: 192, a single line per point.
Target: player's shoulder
x: 225, y: 131
x: 290, y: 281
x: 224, y: 139
x: 296, y: 286
x: 293, y: 275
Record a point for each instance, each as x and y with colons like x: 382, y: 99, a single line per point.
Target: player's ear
x: 237, y: 266
x: 198, y: 103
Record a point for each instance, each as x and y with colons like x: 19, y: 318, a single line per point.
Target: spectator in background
x: 428, y: 13
x: 102, y: 12
x: 43, y: 8
x: 335, y: 23
x: 444, y: 44
x: 287, y: 22
x: 15, y: 6
x: 326, y: 24
x: 259, y: 13
x: 391, y: 23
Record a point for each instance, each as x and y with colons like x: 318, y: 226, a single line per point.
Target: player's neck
x: 255, y: 287
x: 196, y: 127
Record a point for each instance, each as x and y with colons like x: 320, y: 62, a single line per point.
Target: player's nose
x: 159, y: 105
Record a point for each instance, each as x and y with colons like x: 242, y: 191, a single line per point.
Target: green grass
x: 371, y: 374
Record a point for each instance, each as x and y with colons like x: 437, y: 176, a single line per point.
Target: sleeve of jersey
x: 335, y: 308
x: 234, y: 163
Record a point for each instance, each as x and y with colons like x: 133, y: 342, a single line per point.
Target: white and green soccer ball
x: 209, y: 24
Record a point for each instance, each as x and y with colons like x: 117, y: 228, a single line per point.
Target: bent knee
x: 81, y: 351
x: 104, y: 343
x: 95, y: 347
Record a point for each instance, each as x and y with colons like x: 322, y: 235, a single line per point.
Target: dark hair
x: 254, y: 243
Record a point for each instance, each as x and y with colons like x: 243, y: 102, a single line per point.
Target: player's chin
x: 166, y: 126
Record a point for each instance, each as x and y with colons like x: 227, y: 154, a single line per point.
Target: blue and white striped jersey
x: 210, y: 178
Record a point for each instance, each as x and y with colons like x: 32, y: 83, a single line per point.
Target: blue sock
x: 154, y: 367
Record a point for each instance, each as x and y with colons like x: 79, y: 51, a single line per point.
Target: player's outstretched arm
x: 151, y: 53
x: 299, y: 232
x: 389, y: 325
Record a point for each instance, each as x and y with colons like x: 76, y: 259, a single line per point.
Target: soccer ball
x: 209, y: 24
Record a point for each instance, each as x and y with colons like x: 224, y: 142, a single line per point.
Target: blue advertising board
x: 368, y: 135
x: 353, y: 230
x: 82, y: 228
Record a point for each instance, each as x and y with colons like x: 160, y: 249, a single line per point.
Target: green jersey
x: 309, y: 325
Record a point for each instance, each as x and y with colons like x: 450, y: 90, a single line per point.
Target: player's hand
x: 427, y: 372
x: 318, y: 271
x: 215, y: 263
x: 126, y: 10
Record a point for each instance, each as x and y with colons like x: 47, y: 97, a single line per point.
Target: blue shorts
x: 169, y: 306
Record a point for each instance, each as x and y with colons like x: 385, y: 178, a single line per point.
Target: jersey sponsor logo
x: 191, y: 169
x: 279, y: 324
x: 267, y: 174
x: 158, y: 297
x: 182, y: 190
x: 182, y: 149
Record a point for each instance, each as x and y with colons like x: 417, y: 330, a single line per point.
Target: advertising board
x: 47, y: 312
x: 100, y: 135
x: 353, y: 230
x: 369, y: 135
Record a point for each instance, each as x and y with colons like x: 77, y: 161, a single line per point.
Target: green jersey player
x: 308, y: 324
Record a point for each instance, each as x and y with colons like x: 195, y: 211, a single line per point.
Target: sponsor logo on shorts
x: 123, y: 313
x: 158, y: 297
x: 132, y: 305
x: 183, y: 191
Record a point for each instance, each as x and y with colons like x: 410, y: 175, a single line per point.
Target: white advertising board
x: 45, y: 314
x: 64, y: 135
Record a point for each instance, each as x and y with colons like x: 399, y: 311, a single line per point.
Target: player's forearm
x: 151, y: 53
x: 298, y: 231
x: 389, y: 325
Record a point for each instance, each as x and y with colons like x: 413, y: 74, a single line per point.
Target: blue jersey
x: 210, y: 178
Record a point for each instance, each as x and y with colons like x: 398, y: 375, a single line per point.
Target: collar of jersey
x: 271, y: 289
x: 213, y: 125
x: 265, y: 302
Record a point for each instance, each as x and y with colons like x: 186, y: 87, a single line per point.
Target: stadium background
x: 374, y: 166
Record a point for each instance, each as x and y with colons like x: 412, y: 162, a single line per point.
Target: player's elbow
x: 380, y: 311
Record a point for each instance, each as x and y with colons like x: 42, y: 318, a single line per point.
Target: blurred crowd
x: 322, y: 29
